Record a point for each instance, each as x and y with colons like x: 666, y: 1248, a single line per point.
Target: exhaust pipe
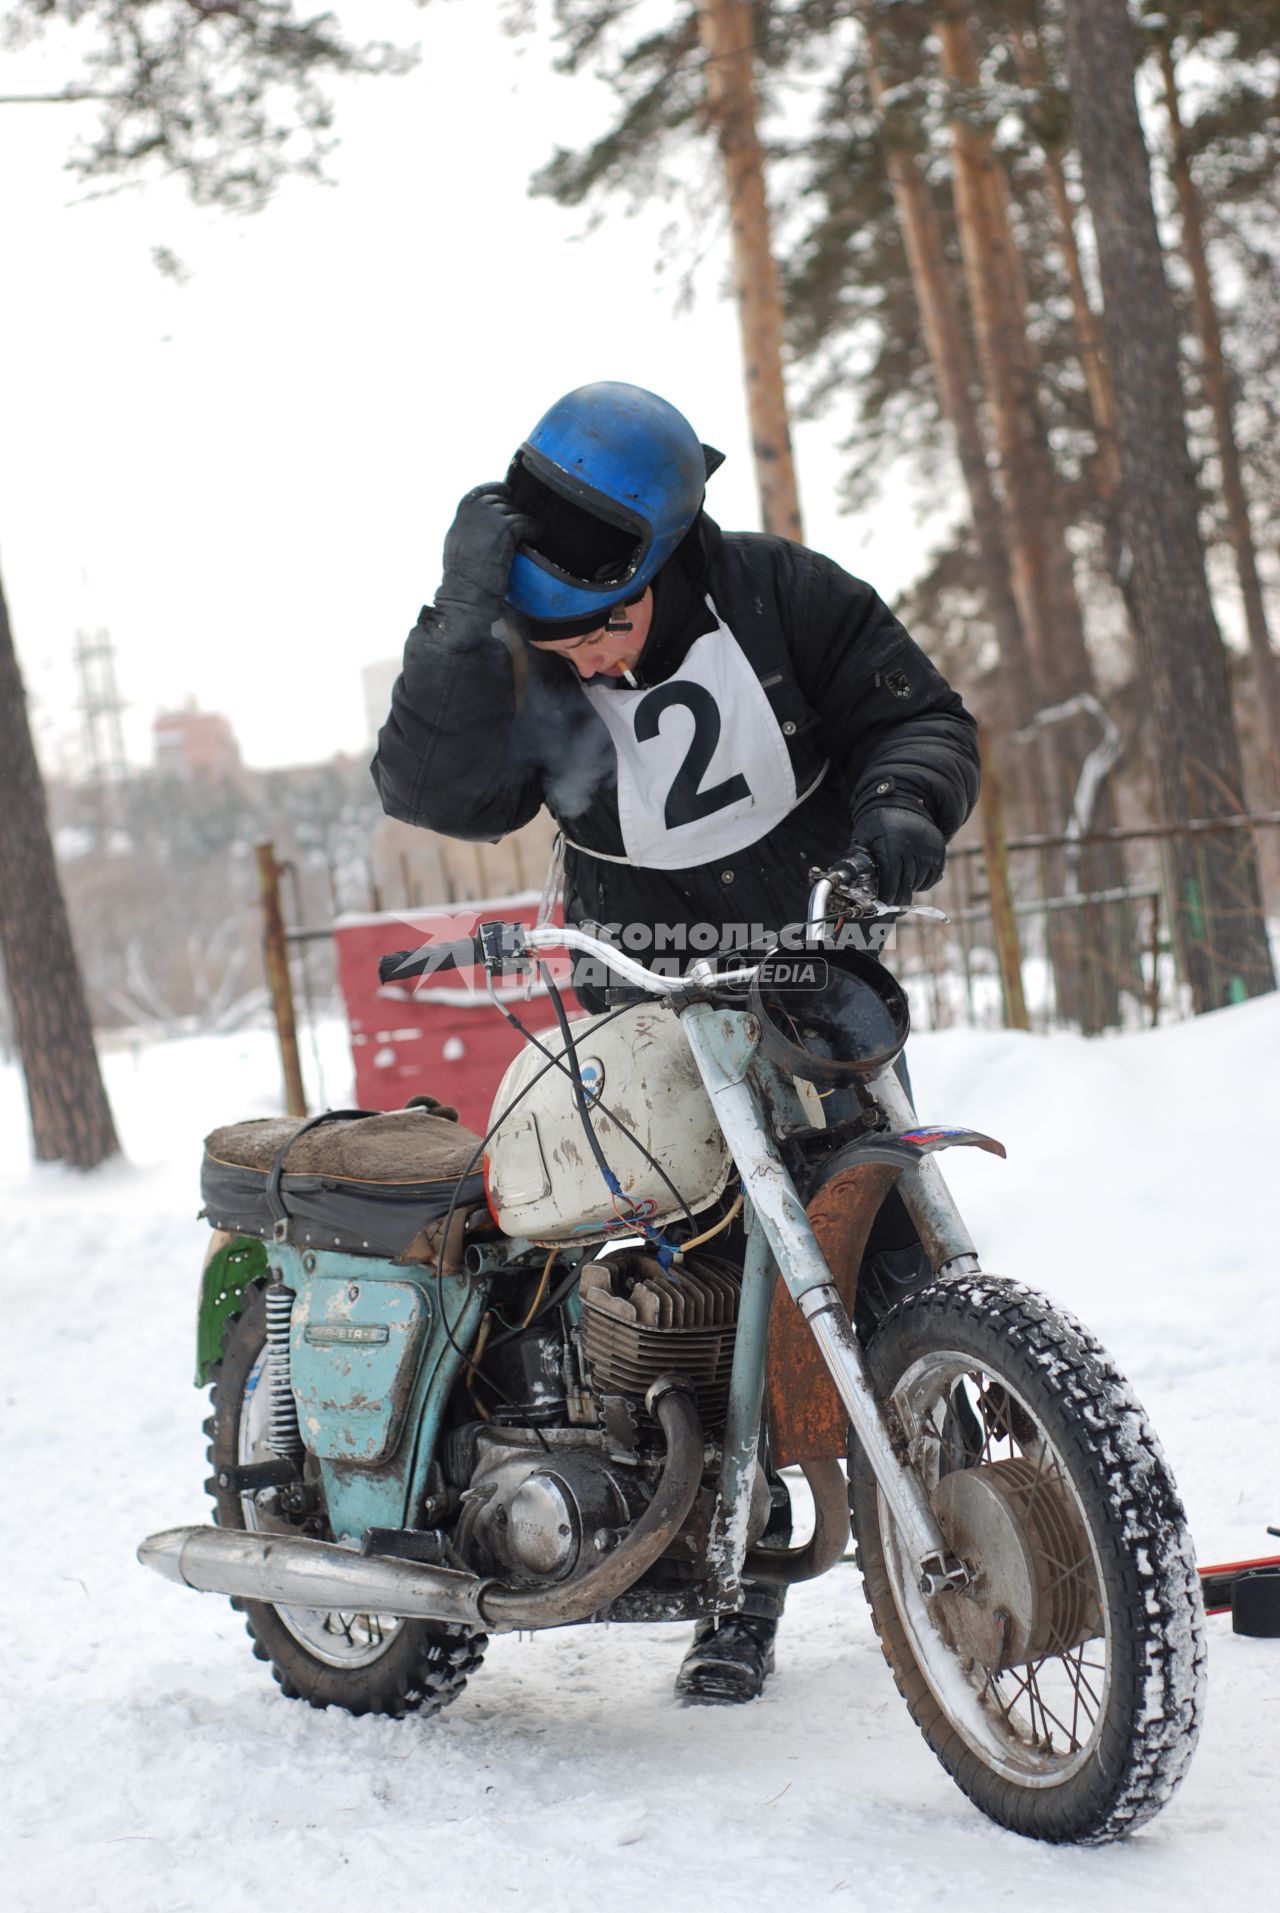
x: 830, y: 1537
x: 290, y: 1572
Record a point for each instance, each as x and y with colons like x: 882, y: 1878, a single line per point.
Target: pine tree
x: 1217, y: 379
x: 70, y: 1115
x: 727, y: 32
x: 695, y: 76
x: 947, y: 340
x: 1220, y: 931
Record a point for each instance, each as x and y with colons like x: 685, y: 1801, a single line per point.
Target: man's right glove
x: 478, y: 551
x: 908, y: 849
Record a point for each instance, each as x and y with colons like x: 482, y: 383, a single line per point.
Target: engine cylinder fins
x: 1034, y: 1589
x: 640, y: 1323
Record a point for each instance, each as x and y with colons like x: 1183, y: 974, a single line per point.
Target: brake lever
x: 871, y: 908
x: 859, y: 901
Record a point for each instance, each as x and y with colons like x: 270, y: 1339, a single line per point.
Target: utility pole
x: 102, y: 732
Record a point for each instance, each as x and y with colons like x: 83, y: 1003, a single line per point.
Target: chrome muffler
x: 252, y: 1565
x: 290, y: 1572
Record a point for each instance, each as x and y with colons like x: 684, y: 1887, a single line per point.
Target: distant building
x: 376, y: 681
x: 195, y: 744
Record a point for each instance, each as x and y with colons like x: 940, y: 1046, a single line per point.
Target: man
x: 707, y: 715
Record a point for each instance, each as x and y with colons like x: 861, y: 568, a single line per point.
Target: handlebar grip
x: 397, y: 966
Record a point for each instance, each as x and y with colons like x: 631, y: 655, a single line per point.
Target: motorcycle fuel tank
x: 542, y: 1178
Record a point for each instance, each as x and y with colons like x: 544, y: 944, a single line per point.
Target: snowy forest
x: 983, y: 301
x: 1040, y: 310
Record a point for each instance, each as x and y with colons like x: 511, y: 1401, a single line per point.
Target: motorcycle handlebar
x: 399, y: 965
x: 510, y: 942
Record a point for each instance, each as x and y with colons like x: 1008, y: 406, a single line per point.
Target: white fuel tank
x: 543, y: 1180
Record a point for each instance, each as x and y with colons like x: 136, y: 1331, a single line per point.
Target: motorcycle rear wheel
x: 365, y: 1663
x: 1063, y: 1690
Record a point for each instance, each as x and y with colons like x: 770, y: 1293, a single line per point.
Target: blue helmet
x: 614, y: 477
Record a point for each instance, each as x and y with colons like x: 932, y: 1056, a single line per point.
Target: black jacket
x: 483, y: 731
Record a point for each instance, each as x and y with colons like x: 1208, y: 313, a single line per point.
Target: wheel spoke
x: 1035, y: 1480
x: 1007, y: 1707
x: 1066, y: 1573
x: 1080, y: 1687
x: 1045, y: 1710
x: 1047, y: 1714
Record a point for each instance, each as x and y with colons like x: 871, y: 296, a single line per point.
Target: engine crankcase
x: 533, y: 1516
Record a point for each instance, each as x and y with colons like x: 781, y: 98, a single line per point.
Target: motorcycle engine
x: 543, y: 1502
x: 533, y: 1514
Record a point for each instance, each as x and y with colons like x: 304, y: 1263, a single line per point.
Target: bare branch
x: 70, y: 96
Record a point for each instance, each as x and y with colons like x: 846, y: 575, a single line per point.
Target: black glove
x: 479, y: 548
x: 908, y: 848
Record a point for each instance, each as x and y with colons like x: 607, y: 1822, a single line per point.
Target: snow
x: 150, y: 1763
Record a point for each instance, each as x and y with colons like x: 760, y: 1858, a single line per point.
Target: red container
x: 437, y: 1035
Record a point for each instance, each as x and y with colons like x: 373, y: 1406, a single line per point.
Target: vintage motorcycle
x: 463, y: 1384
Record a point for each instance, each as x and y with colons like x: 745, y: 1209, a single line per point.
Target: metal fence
x: 1044, y: 932
x: 1084, y: 926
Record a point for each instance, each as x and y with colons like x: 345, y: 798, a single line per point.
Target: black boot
x: 728, y: 1661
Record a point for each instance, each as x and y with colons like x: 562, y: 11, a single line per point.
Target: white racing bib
x: 703, y: 769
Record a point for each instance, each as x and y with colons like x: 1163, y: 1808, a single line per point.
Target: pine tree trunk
x: 943, y: 327
x: 1218, y: 923
x: 946, y: 342
x: 727, y: 30
x: 70, y: 1116
x: 1035, y: 520
x: 1033, y: 516
x: 1217, y: 387
x: 1028, y: 60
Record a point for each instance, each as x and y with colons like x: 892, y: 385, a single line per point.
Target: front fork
x: 724, y: 1043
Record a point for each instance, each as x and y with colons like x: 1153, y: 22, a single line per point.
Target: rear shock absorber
x: 283, y: 1433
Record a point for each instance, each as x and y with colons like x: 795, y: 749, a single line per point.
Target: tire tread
x: 1152, y: 1732
x: 428, y: 1664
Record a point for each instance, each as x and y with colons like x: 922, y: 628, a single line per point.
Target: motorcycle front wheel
x: 365, y: 1663
x: 1063, y: 1688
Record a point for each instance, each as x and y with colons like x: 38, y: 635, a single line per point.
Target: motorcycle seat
x: 361, y: 1181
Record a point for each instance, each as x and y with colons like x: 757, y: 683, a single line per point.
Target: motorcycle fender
x: 233, y: 1263
x: 807, y: 1420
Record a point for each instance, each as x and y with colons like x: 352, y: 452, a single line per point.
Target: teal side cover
x: 373, y: 1366
x: 353, y: 1357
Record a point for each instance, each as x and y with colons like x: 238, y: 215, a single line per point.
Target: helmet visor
x: 574, y: 542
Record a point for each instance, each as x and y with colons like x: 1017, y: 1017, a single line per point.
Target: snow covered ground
x: 149, y: 1762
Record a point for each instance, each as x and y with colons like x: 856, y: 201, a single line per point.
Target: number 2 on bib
x: 686, y: 803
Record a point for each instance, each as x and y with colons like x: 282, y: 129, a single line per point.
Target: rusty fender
x: 807, y: 1420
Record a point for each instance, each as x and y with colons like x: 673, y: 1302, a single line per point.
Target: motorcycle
x: 467, y: 1384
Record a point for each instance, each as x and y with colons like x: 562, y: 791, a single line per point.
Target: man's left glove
x: 908, y: 848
